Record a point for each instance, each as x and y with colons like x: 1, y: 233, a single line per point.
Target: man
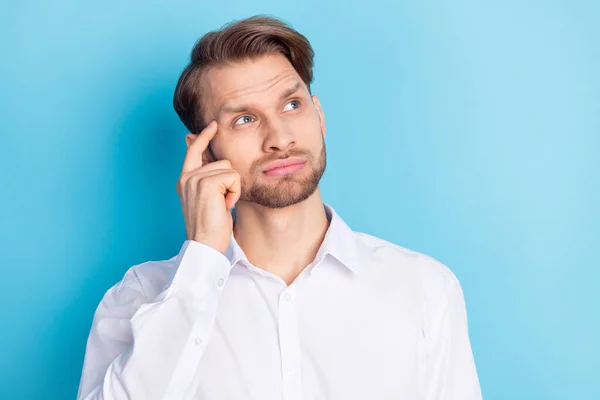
x: 276, y: 298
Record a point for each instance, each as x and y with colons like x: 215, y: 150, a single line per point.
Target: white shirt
x: 366, y: 320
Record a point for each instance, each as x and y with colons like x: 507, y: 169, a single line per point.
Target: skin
x: 280, y: 221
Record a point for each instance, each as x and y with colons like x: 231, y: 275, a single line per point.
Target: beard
x: 288, y: 189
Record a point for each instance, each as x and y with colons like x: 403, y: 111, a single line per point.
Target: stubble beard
x: 289, y: 189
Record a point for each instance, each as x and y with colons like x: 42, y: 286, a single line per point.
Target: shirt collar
x: 339, y: 242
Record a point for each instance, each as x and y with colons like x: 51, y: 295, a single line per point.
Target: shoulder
x: 401, y: 264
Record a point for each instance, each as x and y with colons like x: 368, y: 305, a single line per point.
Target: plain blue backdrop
x: 466, y: 130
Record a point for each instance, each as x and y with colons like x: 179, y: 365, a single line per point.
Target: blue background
x: 463, y: 130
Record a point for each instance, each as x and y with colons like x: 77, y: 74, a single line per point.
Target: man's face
x: 265, y: 114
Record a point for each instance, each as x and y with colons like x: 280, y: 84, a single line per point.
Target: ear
x: 317, y: 104
x: 189, y: 139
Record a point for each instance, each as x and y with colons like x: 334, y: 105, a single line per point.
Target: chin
x: 284, y: 194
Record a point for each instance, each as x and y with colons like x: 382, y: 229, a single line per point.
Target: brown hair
x: 238, y: 41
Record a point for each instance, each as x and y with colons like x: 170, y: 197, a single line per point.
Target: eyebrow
x: 234, y: 109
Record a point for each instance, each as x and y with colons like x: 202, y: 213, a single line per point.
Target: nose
x: 279, y: 136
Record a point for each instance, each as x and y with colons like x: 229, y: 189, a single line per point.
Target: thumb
x: 231, y: 198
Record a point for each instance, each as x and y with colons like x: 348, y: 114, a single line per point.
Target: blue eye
x: 294, y: 103
x: 244, y: 120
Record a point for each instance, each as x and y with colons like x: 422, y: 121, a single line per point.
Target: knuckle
x: 204, y: 182
x: 184, y: 179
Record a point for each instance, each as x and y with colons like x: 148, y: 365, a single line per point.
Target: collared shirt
x: 367, y: 319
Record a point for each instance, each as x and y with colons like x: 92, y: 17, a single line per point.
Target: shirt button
x: 198, y: 341
x: 221, y: 282
x: 288, y: 296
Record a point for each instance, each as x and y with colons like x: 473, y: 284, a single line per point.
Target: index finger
x: 193, y: 157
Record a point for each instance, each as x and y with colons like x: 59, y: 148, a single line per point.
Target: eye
x: 294, y: 105
x: 243, y: 120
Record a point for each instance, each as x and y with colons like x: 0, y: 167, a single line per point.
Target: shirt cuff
x: 198, y: 268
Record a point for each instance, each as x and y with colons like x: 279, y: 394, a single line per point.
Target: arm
x: 450, y: 364
x: 148, y: 348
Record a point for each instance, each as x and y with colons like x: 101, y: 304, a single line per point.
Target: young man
x: 276, y: 298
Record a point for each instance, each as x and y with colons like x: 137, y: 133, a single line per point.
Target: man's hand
x: 207, y: 192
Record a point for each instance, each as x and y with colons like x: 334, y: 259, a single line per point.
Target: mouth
x: 284, y: 167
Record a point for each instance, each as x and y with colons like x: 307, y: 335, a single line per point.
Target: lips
x: 288, y: 166
x: 283, y: 163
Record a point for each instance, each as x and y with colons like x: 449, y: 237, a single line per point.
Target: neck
x: 282, y: 241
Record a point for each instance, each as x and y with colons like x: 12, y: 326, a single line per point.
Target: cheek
x: 316, y: 135
x: 308, y: 131
x: 241, y: 160
x: 236, y: 152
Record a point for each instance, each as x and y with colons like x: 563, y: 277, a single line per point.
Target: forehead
x: 249, y: 80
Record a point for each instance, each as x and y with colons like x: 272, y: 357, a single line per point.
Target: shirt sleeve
x: 149, y: 348
x: 451, y: 371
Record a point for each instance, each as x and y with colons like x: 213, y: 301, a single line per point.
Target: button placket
x: 289, y: 346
